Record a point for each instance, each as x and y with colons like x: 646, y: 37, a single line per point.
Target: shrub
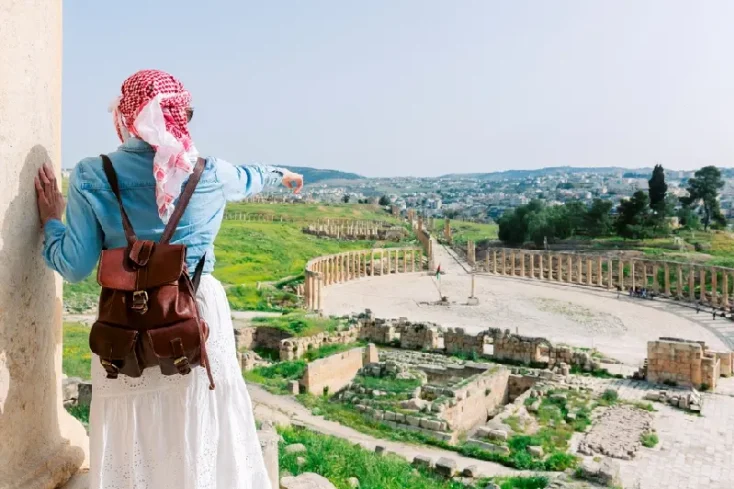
x: 649, y: 440
x: 610, y: 396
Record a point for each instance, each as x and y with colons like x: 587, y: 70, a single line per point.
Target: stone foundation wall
x: 475, y: 402
x: 335, y: 372
x: 519, y: 384
x: 684, y: 362
x: 725, y: 363
x: 294, y: 348
x: 456, y: 340
x: 251, y: 337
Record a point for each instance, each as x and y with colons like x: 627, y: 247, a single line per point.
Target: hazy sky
x: 418, y: 87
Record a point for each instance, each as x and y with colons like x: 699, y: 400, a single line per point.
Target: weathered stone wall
x: 251, y: 337
x: 456, y: 340
x: 725, y: 363
x: 683, y: 362
x: 480, y: 398
x: 334, y: 372
x: 357, y: 231
x: 519, y: 384
x: 294, y: 348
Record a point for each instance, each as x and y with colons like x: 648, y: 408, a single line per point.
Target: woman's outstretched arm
x: 71, y: 249
x: 240, y: 182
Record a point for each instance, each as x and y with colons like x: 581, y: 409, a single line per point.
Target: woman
x: 155, y: 431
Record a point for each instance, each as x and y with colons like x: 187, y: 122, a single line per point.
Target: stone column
x: 41, y: 445
x: 412, y: 260
x: 692, y: 284
x: 569, y: 269
x: 405, y: 261
x: 679, y: 284
x: 470, y: 257
x: 541, y: 274
x: 714, y: 278
x: 522, y: 264
x: 319, y: 285
x: 397, y: 265
x: 532, y: 265
x: 599, y: 272
x: 494, y: 261
x: 725, y: 289
x: 580, y: 267
x: 486, y: 261
x: 382, y: 262
x: 504, y: 262
x: 632, y: 273
x: 644, y: 274
x: 589, y: 272
x: 702, y: 284
x: 610, y: 274
x: 512, y: 263
x: 550, y: 266
x: 666, y: 279
x: 620, y: 271
x: 269, y: 444
x: 655, y: 282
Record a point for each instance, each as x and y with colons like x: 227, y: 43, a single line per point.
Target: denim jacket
x: 93, y: 220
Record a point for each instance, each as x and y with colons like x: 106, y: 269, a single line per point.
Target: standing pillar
x: 666, y: 279
x: 486, y: 261
x: 599, y: 272
x: 692, y: 284
x: 550, y: 266
x: 589, y: 272
x: 541, y: 274
x: 610, y: 274
x: 512, y: 263
x: 644, y: 274
x: 397, y: 265
x: 494, y: 261
x: 702, y: 285
x: 655, y: 281
x: 632, y: 274
x: 714, y: 278
x: 725, y: 289
x: 580, y: 269
x: 319, y: 286
x: 569, y: 269
x: 620, y: 272
x: 522, y: 264
x: 679, y: 284
x: 532, y: 265
x: 41, y: 445
x: 382, y: 262
x: 504, y: 262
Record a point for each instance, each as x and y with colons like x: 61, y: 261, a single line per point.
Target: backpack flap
x: 177, y: 345
x: 143, y: 266
x: 115, y: 347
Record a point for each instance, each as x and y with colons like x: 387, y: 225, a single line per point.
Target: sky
x: 418, y: 87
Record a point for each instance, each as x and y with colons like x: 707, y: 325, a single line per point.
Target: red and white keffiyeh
x: 153, y: 107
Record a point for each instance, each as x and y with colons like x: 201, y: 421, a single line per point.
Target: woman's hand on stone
x: 293, y: 181
x: 48, y: 195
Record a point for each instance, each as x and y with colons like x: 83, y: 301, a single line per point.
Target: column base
x: 55, y: 471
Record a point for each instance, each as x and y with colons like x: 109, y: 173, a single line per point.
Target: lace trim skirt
x: 172, y: 432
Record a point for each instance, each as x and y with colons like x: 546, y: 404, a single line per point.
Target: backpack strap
x: 196, y: 277
x: 109, y: 171
x: 183, y: 201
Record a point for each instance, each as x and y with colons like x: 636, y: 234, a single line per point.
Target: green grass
x: 338, y: 460
x: 298, y: 324
x: 276, y: 377
x: 649, y: 440
x: 81, y: 413
x: 467, y: 231
x: 77, y: 357
x: 518, y: 458
x: 313, y: 212
x: 387, y: 384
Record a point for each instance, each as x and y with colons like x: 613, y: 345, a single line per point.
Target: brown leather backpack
x: 148, y: 315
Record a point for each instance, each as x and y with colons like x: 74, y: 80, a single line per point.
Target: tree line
x: 643, y: 215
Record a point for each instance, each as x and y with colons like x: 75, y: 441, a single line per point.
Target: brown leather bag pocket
x: 116, y: 348
x: 178, y: 346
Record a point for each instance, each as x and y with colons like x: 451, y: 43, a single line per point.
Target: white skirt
x: 172, y: 432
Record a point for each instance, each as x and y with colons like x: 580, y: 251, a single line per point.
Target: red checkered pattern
x: 137, y: 92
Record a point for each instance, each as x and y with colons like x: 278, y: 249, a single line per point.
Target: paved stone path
x: 576, y: 315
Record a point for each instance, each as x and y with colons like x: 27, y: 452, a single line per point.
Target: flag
x: 438, y: 272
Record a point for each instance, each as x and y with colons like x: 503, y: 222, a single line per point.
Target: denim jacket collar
x: 136, y: 145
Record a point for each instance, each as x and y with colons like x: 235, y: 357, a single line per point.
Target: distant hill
x: 314, y: 175
x: 541, y: 172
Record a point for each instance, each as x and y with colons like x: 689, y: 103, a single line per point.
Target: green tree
x: 513, y: 225
x: 703, y: 193
x: 657, y: 190
x: 346, y: 198
x: 384, y: 200
x: 688, y: 218
x: 633, y: 220
x: 598, y: 220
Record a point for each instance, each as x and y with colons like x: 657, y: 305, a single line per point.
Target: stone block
x: 446, y: 467
x: 536, y: 451
x: 413, y: 420
x: 497, y: 435
x: 471, y: 471
x: 294, y: 387
x: 422, y: 461
x: 85, y: 394
x: 295, y: 448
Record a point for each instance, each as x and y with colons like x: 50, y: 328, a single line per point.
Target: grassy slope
x: 465, y: 231
x: 77, y: 358
x: 251, y: 252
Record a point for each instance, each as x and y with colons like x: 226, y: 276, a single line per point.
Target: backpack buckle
x: 182, y: 364
x: 111, y: 369
x: 140, y: 301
